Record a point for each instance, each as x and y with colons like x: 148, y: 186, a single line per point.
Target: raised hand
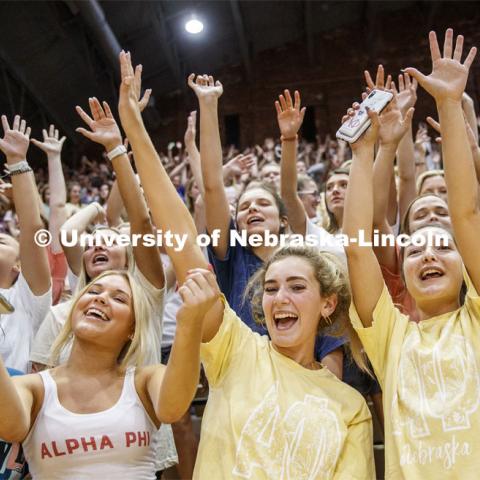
x: 205, y: 87
x: 449, y: 76
x: 369, y: 138
x: 199, y: 293
x: 191, y: 131
x: 471, y: 136
x: 129, y: 107
x: 407, y: 92
x: 421, y: 138
x: 51, y: 144
x: 380, y: 83
x: 103, y: 127
x: 16, y: 140
x: 392, y: 124
x: 289, y: 115
x: 137, y: 83
x: 240, y: 164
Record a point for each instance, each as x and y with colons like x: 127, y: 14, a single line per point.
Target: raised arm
x: 470, y: 114
x: 471, y: 141
x: 192, y: 151
x: 104, y: 130
x: 406, y: 99
x: 168, y: 211
x: 115, y: 206
x: 446, y: 84
x: 358, y: 215
x: 217, y: 210
x: 290, y: 119
x: 52, y: 145
x: 393, y: 127
x: 33, y: 258
x: 172, y: 391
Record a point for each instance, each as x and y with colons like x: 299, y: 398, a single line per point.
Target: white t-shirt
x: 326, y: 241
x: 19, y: 328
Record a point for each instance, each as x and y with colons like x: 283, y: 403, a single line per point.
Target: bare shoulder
x: 32, y: 382
x: 143, y: 375
x: 31, y: 390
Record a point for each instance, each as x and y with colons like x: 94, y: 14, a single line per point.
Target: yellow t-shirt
x: 430, y: 377
x: 267, y: 417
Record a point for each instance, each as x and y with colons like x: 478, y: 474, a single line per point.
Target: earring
x: 328, y: 320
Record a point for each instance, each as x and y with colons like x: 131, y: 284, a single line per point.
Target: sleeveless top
x: 116, y: 443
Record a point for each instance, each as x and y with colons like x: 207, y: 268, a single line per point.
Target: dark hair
x: 282, y: 210
x: 333, y: 226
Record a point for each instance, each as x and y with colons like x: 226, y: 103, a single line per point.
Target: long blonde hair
x: 135, y: 350
x: 332, y: 278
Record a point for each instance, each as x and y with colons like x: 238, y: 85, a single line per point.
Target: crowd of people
x: 103, y: 345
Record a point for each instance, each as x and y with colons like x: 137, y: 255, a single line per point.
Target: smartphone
x: 353, y: 128
x: 5, y: 305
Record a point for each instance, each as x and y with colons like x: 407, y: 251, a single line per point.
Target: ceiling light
x: 194, y: 26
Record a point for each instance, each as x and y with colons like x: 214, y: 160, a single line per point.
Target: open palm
x: 103, y: 127
x: 289, y: 116
x: 449, y: 76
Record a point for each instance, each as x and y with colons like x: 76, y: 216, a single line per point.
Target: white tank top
x: 115, y: 443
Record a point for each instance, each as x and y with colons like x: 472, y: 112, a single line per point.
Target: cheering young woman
x: 428, y: 370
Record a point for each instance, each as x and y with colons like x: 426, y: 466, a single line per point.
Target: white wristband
x: 116, y: 152
x: 18, y: 166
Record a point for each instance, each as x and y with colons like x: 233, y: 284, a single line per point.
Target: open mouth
x: 100, y: 258
x: 429, y: 273
x: 98, y: 314
x: 254, y: 219
x: 285, y: 320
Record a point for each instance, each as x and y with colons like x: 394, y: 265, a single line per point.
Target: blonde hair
x: 332, y: 278
x: 423, y: 176
x: 135, y: 350
x: 84, y: 279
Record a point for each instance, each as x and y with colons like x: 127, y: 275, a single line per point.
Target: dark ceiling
x: 54, y: 55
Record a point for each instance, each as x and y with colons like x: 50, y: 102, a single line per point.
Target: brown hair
x: 405, y: 225
x: 332, y: 278
x: 282, y: 210
x: 333, y: 226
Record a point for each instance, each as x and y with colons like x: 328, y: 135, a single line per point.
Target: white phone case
x: 353, y: 128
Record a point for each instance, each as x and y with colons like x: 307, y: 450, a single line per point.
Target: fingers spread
x: 84, y: 116
x: 434, y: 48
x: 447, y: 46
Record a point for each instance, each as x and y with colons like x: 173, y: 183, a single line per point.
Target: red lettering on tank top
x: 44, y: 451
x: 55, y: 451
x: 142, y: 439
x: 86, y: 444
x: 71, y: 444
x: 105, y: 442
x: 130, y: 438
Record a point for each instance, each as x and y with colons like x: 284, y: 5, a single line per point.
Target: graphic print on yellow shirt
x: 269, y: 418
x: 429, y: 374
